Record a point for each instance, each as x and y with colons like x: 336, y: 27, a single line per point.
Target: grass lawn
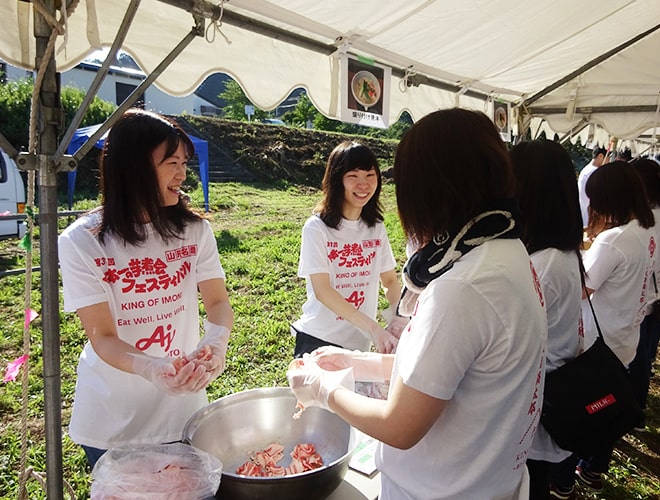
x: 257, y: 228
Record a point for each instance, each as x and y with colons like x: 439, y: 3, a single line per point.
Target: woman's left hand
x: 212, y: 350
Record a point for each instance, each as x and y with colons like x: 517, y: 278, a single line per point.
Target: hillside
x: 274, y: 152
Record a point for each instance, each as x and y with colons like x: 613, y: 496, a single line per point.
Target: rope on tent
x: 26, y: 243
x: 654, y: 142
x: 215, y: 26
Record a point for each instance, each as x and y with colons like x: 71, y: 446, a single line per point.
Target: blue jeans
x: 641, y: 366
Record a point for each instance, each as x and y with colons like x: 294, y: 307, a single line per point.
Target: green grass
x: 257, y: 229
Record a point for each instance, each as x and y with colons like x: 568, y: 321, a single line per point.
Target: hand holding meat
x: 212, y: 350
x: 367, y: 366
x: 171, y: 375
x: 312, y: 385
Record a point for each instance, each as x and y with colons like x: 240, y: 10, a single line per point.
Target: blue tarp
x: 82, y: 134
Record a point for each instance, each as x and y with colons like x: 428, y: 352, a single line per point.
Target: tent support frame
x: 49, y: 100
x: 98, y: 79
x: 594, y: 62
x: 197, y: 30
x: 46, y: 162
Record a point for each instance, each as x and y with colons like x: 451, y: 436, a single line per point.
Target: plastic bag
x: 174, y: 471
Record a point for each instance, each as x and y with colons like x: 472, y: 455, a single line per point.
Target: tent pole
x: 48, y: 114
x: 197, y: 30
x: 8, y: 147
x: 98, y: 79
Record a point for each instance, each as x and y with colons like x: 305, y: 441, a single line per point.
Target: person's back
x: 487, y: 426
x: 618, y: 268
x: 597, y: 160
x: 552, y: 233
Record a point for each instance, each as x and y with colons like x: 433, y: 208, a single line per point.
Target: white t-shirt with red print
x: 152, y: 294
x: 559, y: 274
x: 354, y: 256
x: 477, y: 340
x: 619, y: 265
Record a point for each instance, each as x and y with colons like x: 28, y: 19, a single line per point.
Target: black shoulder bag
x: 588, y: 403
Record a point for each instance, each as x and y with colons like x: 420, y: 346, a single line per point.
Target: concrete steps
x: 222, y: 166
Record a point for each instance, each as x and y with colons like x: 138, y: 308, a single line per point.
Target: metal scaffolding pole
x: 48, y: 112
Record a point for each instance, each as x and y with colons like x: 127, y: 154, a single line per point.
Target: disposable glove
x: 395, y: 323
x: 211, y: 351
x: 367, y: 366
x: 313, y: 385
x: 384, y: 341
x: 164, y: 375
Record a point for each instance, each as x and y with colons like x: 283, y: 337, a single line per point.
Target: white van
x: 12, y: 198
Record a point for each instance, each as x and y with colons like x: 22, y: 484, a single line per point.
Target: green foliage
x: 98, y: 111
x: 15, y: 97
x: 579, y: 154
x: 235, y: 102
x: 303, y: 112
x: 15, y: 105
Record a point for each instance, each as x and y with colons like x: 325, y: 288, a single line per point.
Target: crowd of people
x: 503, y: 247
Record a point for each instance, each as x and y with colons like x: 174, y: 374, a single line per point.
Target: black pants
x: 539, y: 483
x: 306, y: 343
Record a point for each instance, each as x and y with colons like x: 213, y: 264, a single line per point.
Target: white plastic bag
x: 174, y: 471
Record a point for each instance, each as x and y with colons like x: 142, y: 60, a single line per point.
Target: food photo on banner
x: 365, y: 92
x: 501, y: 119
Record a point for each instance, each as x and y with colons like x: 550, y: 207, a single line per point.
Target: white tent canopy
x: 466, y: 53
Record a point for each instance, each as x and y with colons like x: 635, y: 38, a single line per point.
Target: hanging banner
x: 365, y: 92
x: 501, y: 119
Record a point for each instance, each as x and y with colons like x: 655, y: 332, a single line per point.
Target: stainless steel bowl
x: 236, y: 425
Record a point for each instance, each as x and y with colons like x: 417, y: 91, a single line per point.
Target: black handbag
x: 588, y: 403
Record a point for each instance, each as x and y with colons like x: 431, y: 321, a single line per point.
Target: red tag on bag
x: 600, y: 404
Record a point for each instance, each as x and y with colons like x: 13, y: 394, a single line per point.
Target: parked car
x: 272, y: 121
x: 12, y: 198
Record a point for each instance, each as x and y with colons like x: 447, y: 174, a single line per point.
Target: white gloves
x: 212, y: 349
x: 313, y: 385
x: 191, y: 373
x: 367, y: 366
x: 395, y: 323
x: 163, y: 373
x: 384, y: 341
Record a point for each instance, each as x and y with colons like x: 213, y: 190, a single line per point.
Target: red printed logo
x: 651, y: 246
x: 160, y: 336
x: 601, y: 404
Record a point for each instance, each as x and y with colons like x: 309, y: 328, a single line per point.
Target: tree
x: 15, y: 98
x: 15, y: 104
x: 235, y: 101
x: 303, y: 112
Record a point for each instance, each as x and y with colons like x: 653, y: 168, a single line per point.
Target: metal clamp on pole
x: 29, y: 161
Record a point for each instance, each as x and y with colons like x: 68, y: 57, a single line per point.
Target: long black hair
x: 450, y: 166
x: 548, y: 196
x: 129, y: 184
x: 347, y: 156
x: 616, y: 196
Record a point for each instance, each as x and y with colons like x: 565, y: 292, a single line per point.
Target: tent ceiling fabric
x: 500, y: 49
